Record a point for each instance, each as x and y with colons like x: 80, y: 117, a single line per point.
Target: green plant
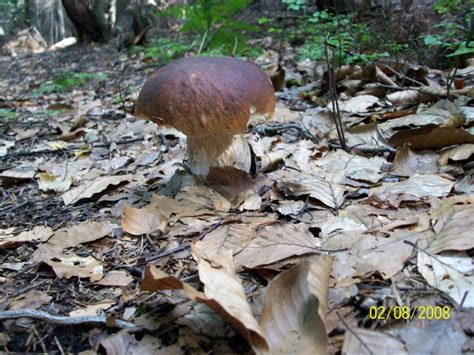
x: 454, y: 34
x: 214, y: 22
x: 7, y: 114
x: 67, y: 81
x: 351, y: 41
x: 166, y: 49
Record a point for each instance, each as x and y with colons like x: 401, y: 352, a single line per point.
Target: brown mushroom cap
x: 202, y: 96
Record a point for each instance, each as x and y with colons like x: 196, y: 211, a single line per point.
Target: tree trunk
x: 48, y: 17
x: 87, y: 22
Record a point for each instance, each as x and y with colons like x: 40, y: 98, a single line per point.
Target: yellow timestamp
x: 405, y: 312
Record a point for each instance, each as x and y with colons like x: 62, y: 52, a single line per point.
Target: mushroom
x: 210, y: 100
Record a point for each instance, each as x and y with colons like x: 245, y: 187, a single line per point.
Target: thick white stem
x: 218, y: 151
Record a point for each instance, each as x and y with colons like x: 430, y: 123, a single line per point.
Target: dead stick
x: 62, y: 320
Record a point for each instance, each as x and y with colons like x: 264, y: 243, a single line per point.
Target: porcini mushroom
x: 210, y: 100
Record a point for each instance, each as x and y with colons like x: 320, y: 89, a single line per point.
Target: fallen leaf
x: 84, y: 232
x: 416, y: 187
x: 123, y: 342
x: 146, y: 220
x: 117, y: 278
x: 91, y: 310
x: 359, y: 104
x: 33, y: 299
x: 430, y: 137
x: 450, y: 274
x: 69, y: 265
x: 452, y: 220
x: 364, y: 341
x: 408, y: 163
x: 38, y: 233
x: 294, y: 312
x: 332, y: 195
x: 277, y: 242
x: 48, y: 182
x: 89, y: 189
x: 461, y: 152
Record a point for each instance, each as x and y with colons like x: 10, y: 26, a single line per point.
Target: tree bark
x: 87, y: 23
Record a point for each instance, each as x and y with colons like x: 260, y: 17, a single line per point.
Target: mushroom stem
x: 218, y: 151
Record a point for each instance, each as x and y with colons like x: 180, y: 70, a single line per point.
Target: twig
x: 403, y: 75
x: 354, y: 333
x: 61, y: 320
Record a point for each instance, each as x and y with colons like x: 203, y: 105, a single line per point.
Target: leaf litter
x: 98, y: 218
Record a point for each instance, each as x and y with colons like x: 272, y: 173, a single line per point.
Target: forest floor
x: 366, y: 251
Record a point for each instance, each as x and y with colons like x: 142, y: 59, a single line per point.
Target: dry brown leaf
x: 360, y: 104
x: 38, y: 233
x: 453, y: 223
x: 431, y: 137
x: 18, y: 173
x: 288, y: 208
x: 294, y: 312
x: 146, y: 220
x: 69, y: 265
x: 223, y: 292
x: 435, y: 337
x: 332, y: 195
x: 233, y: 237
x: 372, y: 343
x: 91, y: 310
x: 462, y: 152
x: 84, y: 232
x: 450, y: 274
x: 88, y: 189
x: 416, y: 187
x: 342, y: 168
x: 33, y: 299
x: 117, y: 278
x: 408, y: 163
x: 405, y: 97
x: 122, y: 342
x: 367, y: 253
x: 229, y: 181
x: 222, y: 285
x: 204, y: 197
x: 277, y: 242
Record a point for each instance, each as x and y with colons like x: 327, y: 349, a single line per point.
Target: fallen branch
x: 61, y: 320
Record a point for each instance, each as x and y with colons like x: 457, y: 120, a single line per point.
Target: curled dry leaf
x: 295, y: 305
x: 222, y: 285
x: 452, y: 275
x: 462, y: 152
x: 332, y: 195
x: 138, y: 221
x: 91, y: 310
x: 405, y: 97
x: 88, y: 189
x: 223, y: 292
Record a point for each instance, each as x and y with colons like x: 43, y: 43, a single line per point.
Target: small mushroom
x: 210, y: 100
